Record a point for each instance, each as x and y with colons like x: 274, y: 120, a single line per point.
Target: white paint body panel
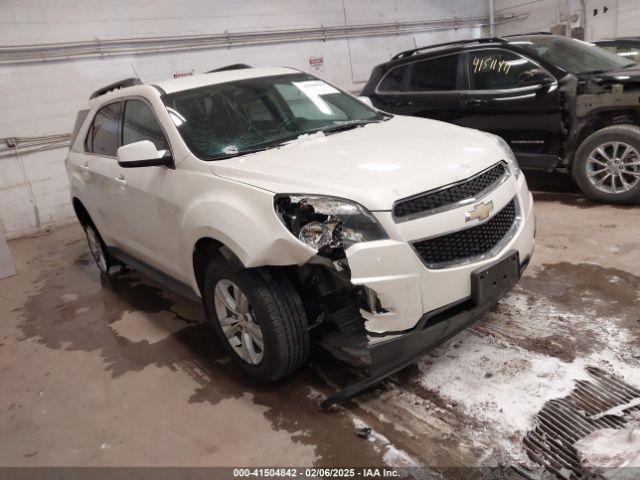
x: 159, y: 214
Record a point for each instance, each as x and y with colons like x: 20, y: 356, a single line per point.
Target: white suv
x: 298, y: 212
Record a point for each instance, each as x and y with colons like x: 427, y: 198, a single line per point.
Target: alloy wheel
x: 95, y: 247
x: 238, y: 322
x: 614, y: 167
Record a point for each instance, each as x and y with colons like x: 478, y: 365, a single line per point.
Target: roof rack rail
x: 235, y: 66
x: 413, y: 51
x: 127, y: 82
x: 528, y: 33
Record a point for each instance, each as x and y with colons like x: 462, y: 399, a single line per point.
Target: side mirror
x: 534, y: 77
x: 144, y: 154
x: 367, y: 101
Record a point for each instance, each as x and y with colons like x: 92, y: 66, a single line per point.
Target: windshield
x: 229, y: 119
x: 570, y: 54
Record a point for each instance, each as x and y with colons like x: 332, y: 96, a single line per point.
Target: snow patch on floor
x: 501, y: 385
x: 504, y: 386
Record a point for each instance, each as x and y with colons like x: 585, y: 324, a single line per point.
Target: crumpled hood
x: 627, y: 76
x: 374, y: 165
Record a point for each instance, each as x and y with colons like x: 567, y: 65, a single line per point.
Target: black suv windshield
x: 229, y: 119
x: 570, y: 54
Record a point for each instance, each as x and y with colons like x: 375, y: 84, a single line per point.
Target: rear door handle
x: 405, y: 103
x: 85, y: 166
x: 121, y: 180
x: 474, y: 102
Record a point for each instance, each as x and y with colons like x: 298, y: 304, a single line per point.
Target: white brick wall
x: 40, y: 99
x: 621, y: 19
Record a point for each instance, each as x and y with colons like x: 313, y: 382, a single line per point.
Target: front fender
x: 242, y: 218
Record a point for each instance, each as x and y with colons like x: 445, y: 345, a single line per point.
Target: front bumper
x: 397, y: 352
x: 405, y: 287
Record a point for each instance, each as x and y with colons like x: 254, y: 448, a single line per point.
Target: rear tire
x: 265, y: 309
x: 607, y: 165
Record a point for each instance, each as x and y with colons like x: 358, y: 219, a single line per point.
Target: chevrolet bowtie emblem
x: 481, y: 211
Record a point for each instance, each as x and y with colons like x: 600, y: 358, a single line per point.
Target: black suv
x: 559, y: 102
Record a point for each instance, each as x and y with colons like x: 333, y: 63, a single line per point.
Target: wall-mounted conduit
x: 16, y: 54
x: 15, y: 146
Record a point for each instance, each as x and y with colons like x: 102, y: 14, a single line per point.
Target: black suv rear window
x: 393, y: 80
x: 436, y: 74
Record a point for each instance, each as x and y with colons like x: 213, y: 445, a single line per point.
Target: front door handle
x: 85, y: 166
x: 121, y: 180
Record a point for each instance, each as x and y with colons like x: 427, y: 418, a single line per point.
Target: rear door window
x: 102, y: 138
x: 499, y: 70
x: 434, y: 75
x: 392, y: 81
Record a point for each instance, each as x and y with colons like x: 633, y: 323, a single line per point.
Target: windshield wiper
x: 246, y: 151
x: 594, y: 72
x: 340, y: 127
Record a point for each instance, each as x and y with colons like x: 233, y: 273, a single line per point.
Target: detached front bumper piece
x: 386, y: 357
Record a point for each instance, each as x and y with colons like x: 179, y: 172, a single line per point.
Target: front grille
x: 435, y: 200
x: 468, y: 243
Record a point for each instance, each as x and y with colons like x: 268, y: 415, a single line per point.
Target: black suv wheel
x: 607, y: 164
x: 258, y: 315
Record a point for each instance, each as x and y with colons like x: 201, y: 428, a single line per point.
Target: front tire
x: 607, y: 165
x: 259, y: 317
x: 97, y: 248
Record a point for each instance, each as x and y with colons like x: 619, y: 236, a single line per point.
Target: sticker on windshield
x: 314, y: 89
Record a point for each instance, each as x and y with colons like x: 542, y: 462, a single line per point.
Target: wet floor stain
x: 75, y: 309
x: 591, y: 290
x: 566, y: 310
x: 576, y: 200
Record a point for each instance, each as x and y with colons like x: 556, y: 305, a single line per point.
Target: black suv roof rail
x: 528, y: 33
x: 235, y: 66
x: 408, y: 53
x: 127, y: 82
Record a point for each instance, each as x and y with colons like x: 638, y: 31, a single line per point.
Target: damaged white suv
x: 298, y: 213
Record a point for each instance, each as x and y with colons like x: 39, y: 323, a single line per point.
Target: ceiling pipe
x: 492, y: 20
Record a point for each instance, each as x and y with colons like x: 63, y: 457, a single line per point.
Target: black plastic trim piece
x: 153, y: 273
x: 537, y: 161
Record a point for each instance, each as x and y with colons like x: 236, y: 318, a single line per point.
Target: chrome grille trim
x: 451, y: 206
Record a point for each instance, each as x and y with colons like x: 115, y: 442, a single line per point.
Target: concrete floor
x: 126, y: 374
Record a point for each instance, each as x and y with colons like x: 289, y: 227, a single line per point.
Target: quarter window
x: 500, y: 69
x: 140, y: 123
x: 438, y: 74
x: 103, y: 134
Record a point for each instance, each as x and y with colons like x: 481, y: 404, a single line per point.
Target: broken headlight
x: 327, y: 222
